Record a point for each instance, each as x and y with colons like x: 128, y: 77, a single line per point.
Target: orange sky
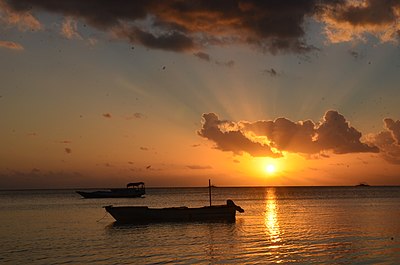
x: 174, y: 93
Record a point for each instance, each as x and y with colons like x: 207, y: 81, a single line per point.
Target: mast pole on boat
x: 209, y: 189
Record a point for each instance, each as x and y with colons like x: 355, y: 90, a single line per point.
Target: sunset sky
x: 248, y: 93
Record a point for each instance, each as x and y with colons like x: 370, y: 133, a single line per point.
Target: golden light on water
x: 271, y: 217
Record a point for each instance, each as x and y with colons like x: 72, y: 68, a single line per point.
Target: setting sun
x: 270, y: 169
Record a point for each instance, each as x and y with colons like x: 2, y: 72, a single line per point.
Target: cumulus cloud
x: 336, y: 134
x: 11, y: 45
x: 333, y: 134
x: 286, y: 135
x: 394, y: 128
x: 388, y: 141
x: 232, y: 140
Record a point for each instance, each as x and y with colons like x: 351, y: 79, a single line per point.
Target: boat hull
x: 138, y: 214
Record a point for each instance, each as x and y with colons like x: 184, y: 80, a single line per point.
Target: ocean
x: 287, y: 225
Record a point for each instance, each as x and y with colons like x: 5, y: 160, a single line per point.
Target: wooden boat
x: 132, y: 190
x: 144, y: 214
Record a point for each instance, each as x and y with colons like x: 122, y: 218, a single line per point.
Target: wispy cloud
x: 136, y: 115
x: 271, y: 72
x: 203, y: 56
x: 198, y: 167
x: 19, y: 17
x: 11, y: 45
x: 69, y: 29
x: 230, y: 63
x: 68, y: 150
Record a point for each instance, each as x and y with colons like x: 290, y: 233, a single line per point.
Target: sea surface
x: 288, y: 225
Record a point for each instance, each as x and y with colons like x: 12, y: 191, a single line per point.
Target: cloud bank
x: 192, y: 26
x: 271, y: 137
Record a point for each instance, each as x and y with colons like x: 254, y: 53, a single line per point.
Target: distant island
x: 363, y: 184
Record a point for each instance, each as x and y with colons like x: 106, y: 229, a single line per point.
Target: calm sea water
x: 303, y: 225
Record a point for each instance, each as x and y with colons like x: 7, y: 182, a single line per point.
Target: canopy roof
x: 134, y: 184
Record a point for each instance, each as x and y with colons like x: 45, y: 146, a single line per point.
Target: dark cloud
x: 202, y: 55
x: 107, y: 115
x: 206, y: 57
x: 349, y: 20
x: 333, y: 134
x: 35, y: 171
x: 234, y: 140
x: 372, y: 12
x: 230, y: 63
x: 68, y: 150
x: 175, y: 25
x: 144, y: 148
x: 64, y: 142
x: 354, y: 54
x: 272, y: 72
x: 273, y: 26
x: 136, y: 115
x: 171, y: 41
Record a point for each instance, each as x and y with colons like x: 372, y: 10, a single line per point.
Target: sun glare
x: 270, y: 168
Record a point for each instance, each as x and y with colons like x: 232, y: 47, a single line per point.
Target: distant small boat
x: 362, y: 184
x: 144, y: 214
x: 132, y: 190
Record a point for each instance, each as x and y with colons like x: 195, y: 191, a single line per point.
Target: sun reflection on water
x: 271, y: 217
